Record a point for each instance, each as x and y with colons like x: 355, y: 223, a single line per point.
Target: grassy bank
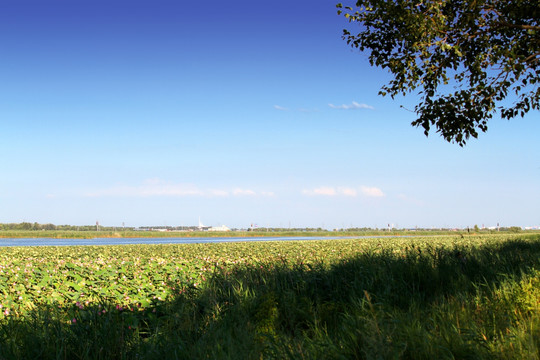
x: 71, y: 234
x: 401, y: 298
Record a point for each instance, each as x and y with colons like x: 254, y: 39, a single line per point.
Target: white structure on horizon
x: 212, y: 228
x: 203, y: 227
x: 219, y: 228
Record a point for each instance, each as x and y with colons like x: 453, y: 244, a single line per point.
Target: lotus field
x: 445, y: 297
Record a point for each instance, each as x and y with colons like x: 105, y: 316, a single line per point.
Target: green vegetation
x: 465, y: 59
x: 472, y: 297
x: 35, y: 230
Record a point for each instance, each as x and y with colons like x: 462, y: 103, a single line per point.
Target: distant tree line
x: 262, y: 229
x: 27, y: 226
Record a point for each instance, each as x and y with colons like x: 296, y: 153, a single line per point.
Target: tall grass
x: 476, y: 300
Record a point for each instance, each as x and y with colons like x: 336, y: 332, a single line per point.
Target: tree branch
x: 515, y: 26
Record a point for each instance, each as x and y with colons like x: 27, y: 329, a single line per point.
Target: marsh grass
x: 475, y: 300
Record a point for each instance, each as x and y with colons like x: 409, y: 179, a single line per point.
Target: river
x: 150, y: 241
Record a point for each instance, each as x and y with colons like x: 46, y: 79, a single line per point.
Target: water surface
x: 149, y: 241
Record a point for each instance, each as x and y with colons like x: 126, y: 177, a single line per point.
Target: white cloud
x: 353, y: 106
x: 147, y: 190
x: 281, y: 108
x: 217, y: 193
x: 325, y: 191
x: 343, y: 191
x: 244, y: 192
x: 156, y: 187
x: 348, y: 191
x: 371, y: 191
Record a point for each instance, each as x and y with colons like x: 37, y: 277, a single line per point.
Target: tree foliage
x: 465, y: 58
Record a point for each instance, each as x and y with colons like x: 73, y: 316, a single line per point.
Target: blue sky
x: 161, y: 112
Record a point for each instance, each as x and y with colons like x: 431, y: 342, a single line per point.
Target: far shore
x: 69, y: 234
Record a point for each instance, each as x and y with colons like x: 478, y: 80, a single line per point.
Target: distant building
x: 219, y: 228
x: 201, y: 226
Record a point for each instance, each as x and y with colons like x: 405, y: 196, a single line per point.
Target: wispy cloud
x: 148, y: 190
x: 326, y: 191
x: 353, y: 106
x: 215, y: 193
x: 372, y: 191
x: 280, y: 108
x: 156, y: 187
x: 344, y: 191
x: 348, y: 191
x: 244, y: 192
